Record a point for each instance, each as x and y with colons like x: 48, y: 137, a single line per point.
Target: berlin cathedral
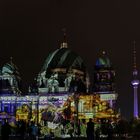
x: 62, y: 89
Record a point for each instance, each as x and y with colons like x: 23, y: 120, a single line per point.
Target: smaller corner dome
x: 10, y: 68
x: 103, y: 60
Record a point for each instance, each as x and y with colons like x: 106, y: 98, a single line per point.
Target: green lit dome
x: 10, y: 79
x: 11, y: 69
x: 61, y: 64
x: 63, y: 59
x: 63, y: 70
x: 103, y: 61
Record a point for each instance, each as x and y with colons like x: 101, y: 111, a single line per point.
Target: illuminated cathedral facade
x: 61, y: 88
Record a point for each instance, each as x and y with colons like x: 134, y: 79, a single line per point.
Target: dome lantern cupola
x: 64, y: 43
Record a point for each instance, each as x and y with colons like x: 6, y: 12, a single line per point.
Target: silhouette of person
x: 109, y: 130
x: 5, y: 130
x: 34, y: 131
x: 22, y: 130
x: 90, y: 130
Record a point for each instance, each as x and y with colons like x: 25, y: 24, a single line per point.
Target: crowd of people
x: 92, y: 129
x: 23, y: 130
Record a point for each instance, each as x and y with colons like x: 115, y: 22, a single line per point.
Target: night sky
x: 30, y: 30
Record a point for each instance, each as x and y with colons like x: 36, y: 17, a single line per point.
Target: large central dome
x: 63, y: 67
x: 62, y: 60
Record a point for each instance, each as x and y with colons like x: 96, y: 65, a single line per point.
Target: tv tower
x: 135, y: 82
